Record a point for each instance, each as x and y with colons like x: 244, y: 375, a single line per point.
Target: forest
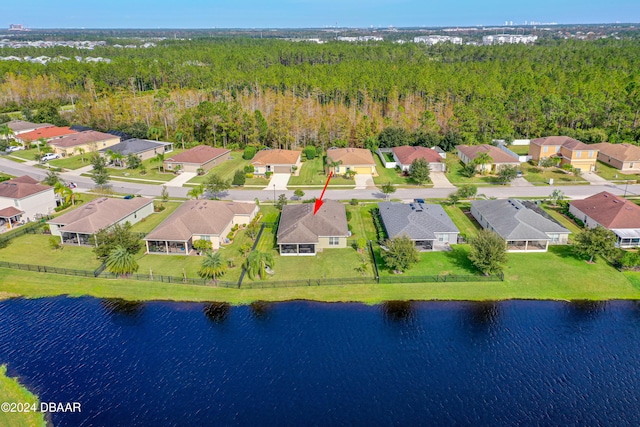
x: 238, y: 91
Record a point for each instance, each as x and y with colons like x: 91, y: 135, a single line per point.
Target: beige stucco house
x: 199, y: 157
x: 277, y: 161
x: 88, y: 141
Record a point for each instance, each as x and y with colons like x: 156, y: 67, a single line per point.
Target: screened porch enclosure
x: 168, y: 247
x: 301, y: 249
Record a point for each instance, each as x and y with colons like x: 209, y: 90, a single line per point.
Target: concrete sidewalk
x: 181, y: 179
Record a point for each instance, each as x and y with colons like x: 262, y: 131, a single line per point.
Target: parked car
x: 71, y: 185
x: 50, y: 156
x: 14, y: 148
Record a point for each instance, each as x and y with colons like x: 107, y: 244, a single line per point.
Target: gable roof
x: 564, y: 141
x: 99, y: 214
x: 80, y: 138
x: 19, y: 188
x: 46, y: 133
x: 406, y: 154
x: 205, y: 217
x: 298, y: 224
x: 623, y: 152
x: 498, y: 156
x: 276, y: 157
x: 10, y: 212
x: 419, y: 221
x: 21, y: 125
x: 351, y: 156
x: 513, y: 220
x: 134, y: 146
x: 609, y: 210
x: 198, y: 155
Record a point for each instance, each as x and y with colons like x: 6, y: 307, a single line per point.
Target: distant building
x: 360, y: 39
x: 18, y: 27
x: 435, y: 39
x: 509, y: 39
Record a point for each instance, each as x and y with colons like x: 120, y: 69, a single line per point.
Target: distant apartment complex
x: 360, y: 39
x: 435, y: 39
x: 509, y: 39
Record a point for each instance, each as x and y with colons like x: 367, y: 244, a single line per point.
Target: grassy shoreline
x: 13, y: 392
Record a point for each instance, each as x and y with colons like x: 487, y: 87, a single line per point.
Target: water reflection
x: 585, y: 310
x: 398, y: 311
x: 261, y: 310
x: 217, y: 312
x: 480, y: 316
x: 123, y: 311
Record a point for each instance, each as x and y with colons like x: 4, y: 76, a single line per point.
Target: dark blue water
x: 164, y: 364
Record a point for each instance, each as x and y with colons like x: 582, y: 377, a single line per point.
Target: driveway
x: 181, y: 179
x: 280, y: 180
x: 520, y: 182
x: 594, y: 178
x: 440, y: 180
x: 364, y: 181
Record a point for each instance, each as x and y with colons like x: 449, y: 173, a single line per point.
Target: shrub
x: 354, y: 202
x: 202, y: 245
x: 248, y: 176
x: 268, y: 174
x: 310, y: 152
x: 249, y: 169
x: 249, y: 152
x: 239, y: 178
x: 200, y: 171
x: 54, y: 243
x: 630, y: 259
x: 348, y: 215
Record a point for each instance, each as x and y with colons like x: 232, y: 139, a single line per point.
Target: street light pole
x: 274, y: 194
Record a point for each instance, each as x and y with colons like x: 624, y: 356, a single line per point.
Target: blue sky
x: 308, y: 13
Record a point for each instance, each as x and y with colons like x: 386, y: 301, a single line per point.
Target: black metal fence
x: 364, y: 280
x: 30, y: 228
x: 441, y: 278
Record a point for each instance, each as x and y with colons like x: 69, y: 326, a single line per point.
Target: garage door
x: 363, y: 170
x: 282, y: 169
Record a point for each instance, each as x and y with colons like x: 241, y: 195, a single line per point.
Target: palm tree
x: 155, y: 133
x: 213, y: 265
x: 196, y: 192
x: 333, y: 165
x: 5, y: 131
x: 483, y: 159
x: 120, y: 262
x: 39, y: 142
x: 257, y: 263
x: 117, y: 158
x: 65, y: 193
x: 159, y: 158
x: 81, y: 152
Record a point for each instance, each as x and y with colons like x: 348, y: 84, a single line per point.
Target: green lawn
x: 34, y: 249
x: 389, y: 175
x: 74, y: 162
x: 312, y: 173
x: 361, y: 223
x: 536, y: 174
x: 269, y: 213
x: 455, y: 261
x: 461, y: 217
x: 520, y: 150
x: 12, y: 392
x: 454, y: 165
x: 153, y: 220
x: 566, y: 222
x: 612, y: 174
x: 25, y: 154
x: 261, y: 182
x: 225, y: 169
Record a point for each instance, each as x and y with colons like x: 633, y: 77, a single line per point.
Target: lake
x: 303, y: 363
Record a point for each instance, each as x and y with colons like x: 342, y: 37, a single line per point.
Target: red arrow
x: 319, y: 201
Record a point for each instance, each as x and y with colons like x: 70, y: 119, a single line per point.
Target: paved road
x: 498, y: 191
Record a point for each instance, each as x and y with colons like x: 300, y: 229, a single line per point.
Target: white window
x: 555, y: 237
x: 591, y: 153
x: 544, y: 149
x: 578, y: 154
x: 334, y: 241
x: 206, y: 238
x: 337, y: 169
x: 443, y: 238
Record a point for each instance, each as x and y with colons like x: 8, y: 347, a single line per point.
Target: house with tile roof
x: 301, y: 233
x: 142, y: 148
x: 277, y: 161
x: 199, y: 157
x: 570, y: 151
x: 428, y: 225
x: 405, y: 155
x: 522, y: 224
x: 89, y: 141
x: 359, y: 160
x: 612, y: 212
x: 624, y: 157
x: 499, y: 158
x: 48, y: 133
x: 79, y: 226
x: 24, y: 198
x: 210, y: 220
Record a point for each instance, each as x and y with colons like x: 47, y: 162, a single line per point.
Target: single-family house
x: 80, y: 225
x: 523, y: 225
x: 277, y: 161
x: 18, y: 127
x: 88, y: 141
x: 498, y: 158
x: 199, y: 157
x: 570, y: 151
x: 300, y: 232
x: 620, y: 156
x: 359, y: 160
x: 210, y: 220
x: 49, y: 133
x: 428, y: 225
x: 24, y: 198
x: 405, y: 155
x: 142, y: 148
x: 612, y: 212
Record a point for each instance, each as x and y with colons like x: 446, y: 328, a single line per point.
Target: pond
x: 173, y: 364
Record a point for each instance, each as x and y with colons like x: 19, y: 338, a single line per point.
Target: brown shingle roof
x: 564, y: 141
x: 198, y: 155
x: 276, y: 157
x: 498, y: 156
x: 99, y: 214
x: 609, y: 210
x: 623, y: 152
x: 351, y: 156
x: 21, y: 187
x: 199, y: 217
x: 46, y: 133
x: 407, y: 154
x: 298, y: 224
x: 10, y: 212
x: 80, y: 138
x: 21, y: 125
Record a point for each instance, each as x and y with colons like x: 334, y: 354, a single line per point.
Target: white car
x: 50, y: 156
x: 14, y: 148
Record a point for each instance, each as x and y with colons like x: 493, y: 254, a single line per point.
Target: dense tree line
x: 249, y: 91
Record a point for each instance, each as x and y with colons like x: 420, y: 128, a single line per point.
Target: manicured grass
x: 153, y: 220
x: 312, y: 173
x: 34, y: 249
x: 389, y: 175
x: 361, y: 223
x: 12, y: 392
x: 225, y: 170
x: 466, y: 224
x: 269, y: 213
x: 74, y: 162
x: 612, y: 174
x: 563, y: 220
x: 536, y: 174
x: 261, y: 182
x: 521, y: 150
x: 454, y: 165
x: 455, y: 261
x: 25, y: 154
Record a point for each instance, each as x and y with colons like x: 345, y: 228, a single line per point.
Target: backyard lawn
x: 312, y: 173
x: 34, y: 249
x: 563, y: 220
x: 152, y: 221
x: 520, y: 150
x: 361, y: 224
x: 11, y: 391
x: 612, y: 174
x: 224, y: 170
x: 455, y: 261
x: 467, y: 225
x: 538, y: 175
